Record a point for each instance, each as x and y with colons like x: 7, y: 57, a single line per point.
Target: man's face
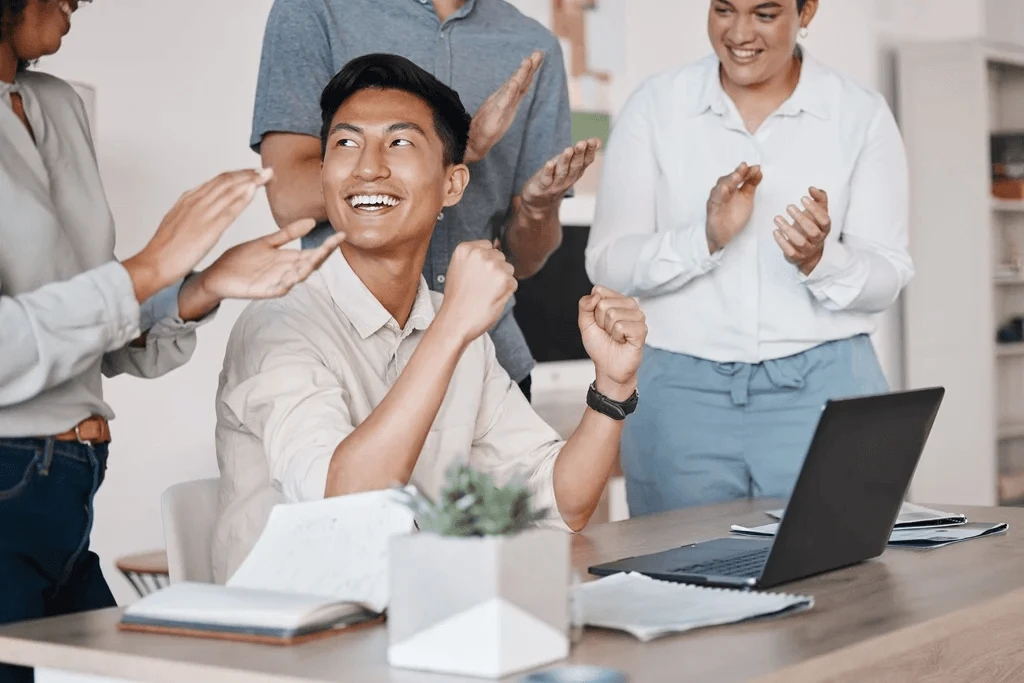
x: 754, y: 39
x: 384, y: 179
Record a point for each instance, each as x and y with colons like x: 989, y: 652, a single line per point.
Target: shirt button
x: 440, y: 279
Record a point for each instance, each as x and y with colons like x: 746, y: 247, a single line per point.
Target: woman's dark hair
x: 391, y: 72
x: 800, y: 5
x: 10, y: 14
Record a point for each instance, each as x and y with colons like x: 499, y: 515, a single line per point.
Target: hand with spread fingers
x: 614, y: 330
x: 549, y: 184
x: 731, y: 204
x: 258, y: 269
x: 494, y: 117
x: 802, y: 238
x: 192, y: 228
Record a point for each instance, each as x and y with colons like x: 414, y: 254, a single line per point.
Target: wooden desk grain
x: 950, y: 614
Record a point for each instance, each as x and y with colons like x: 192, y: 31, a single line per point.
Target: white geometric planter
x: 479, y: 606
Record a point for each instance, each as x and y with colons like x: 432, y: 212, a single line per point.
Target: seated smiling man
x: 362, y: 378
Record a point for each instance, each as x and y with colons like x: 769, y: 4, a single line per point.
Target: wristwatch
x: 617, y: 410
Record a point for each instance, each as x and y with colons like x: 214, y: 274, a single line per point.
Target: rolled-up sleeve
x: 169, y: 341
x: 282, y: 391
x: 511, y: 442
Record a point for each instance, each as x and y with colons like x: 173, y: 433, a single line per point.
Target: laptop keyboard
x: 745, y: 565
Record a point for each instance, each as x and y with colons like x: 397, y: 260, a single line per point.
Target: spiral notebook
x: 648, y: 608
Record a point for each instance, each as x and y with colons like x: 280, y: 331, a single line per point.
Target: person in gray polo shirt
x: 505, y: 67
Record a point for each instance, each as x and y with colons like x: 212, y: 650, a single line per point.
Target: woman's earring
x: 804, y: 32
x: 440, y: 216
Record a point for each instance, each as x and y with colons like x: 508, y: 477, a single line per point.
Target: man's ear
x: 458, y: 179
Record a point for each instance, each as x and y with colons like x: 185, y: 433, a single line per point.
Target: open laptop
x: 843, y: 508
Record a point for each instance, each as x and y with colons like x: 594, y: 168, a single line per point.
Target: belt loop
x: 48, y: 446
x: 740, y: 389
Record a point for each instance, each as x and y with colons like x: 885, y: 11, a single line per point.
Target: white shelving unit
x: 951, y: 97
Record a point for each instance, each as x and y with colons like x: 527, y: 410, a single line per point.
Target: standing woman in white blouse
x: 756, y: 203
x: 69, y: 312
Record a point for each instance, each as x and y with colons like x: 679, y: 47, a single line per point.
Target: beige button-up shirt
x: 302, y: 372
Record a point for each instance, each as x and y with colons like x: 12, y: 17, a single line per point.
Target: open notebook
x: 317, y: 567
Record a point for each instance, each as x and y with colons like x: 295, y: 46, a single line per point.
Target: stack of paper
x: 916, y: 527
x: 913, y: 516
x: 648, y: 608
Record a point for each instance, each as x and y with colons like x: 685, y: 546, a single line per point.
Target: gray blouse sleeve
x: 54, y: 333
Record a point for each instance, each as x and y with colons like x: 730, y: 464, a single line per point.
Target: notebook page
x: 336, y: 548
x: 648, y: 608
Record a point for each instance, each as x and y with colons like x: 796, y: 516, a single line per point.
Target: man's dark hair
x: 391, y: 72
x: 800, y: 5
x: 10, y: 15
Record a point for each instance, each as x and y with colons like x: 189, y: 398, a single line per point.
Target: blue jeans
x: 46, y: 514
x: 707, y: 432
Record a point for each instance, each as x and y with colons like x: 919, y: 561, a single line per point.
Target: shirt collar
x: 360, y: 306
x: 462, y: 12
x: 810, y: 92
x: 808, y: 96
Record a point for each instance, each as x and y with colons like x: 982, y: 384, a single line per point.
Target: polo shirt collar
x: 463, y: 11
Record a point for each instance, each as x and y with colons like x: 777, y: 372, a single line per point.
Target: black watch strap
x: 617, y: 410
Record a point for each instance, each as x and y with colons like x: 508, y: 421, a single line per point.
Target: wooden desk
x: 951, y: 614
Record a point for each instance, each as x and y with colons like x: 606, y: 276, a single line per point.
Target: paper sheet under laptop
x: 912, y: 515
x: 648, y: 608
x: 336, y: 548
x: 920, y: 537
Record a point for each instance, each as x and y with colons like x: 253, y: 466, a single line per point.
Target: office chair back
x: 189, y: 514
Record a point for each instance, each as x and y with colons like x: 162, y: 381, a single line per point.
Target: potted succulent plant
x: 479, y: 590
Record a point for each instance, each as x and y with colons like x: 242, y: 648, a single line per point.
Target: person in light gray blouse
x: 70, y: 312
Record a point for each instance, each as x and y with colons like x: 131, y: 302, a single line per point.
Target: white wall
x: 174, y: 84
x: 174, y: 87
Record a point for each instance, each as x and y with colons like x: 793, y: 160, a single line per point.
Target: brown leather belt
x: 94, y: 430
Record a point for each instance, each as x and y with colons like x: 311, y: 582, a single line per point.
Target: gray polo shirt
x: 474, y: 52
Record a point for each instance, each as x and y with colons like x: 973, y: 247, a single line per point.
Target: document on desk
x: 317, y: 567
x: 335, y: 547
x: 648, y: 608
x: 912, y: 516
x: 925, y: 537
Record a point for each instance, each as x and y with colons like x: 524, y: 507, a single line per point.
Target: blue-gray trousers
x: 707, y: 432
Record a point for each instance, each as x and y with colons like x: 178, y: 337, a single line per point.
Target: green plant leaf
x: 472, y: 505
